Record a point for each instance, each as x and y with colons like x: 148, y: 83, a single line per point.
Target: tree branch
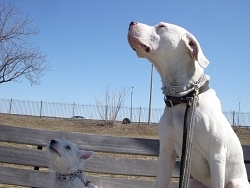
x: 17, y: 57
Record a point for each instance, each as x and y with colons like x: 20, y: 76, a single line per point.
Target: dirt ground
x: 96, y: 127
x: 81, y: 126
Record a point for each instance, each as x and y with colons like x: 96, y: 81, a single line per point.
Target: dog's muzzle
x: 134, y: 42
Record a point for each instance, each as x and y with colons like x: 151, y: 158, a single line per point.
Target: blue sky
x: 87, y: 49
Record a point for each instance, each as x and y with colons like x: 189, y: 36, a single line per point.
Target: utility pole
x: 150, y: 95
x: 131, y: 103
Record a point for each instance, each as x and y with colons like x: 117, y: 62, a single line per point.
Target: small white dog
x: 217, y: 157
x: 68, y: 163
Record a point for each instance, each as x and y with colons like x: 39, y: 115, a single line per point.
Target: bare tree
x: 18, y: 58
x: 113, y: 101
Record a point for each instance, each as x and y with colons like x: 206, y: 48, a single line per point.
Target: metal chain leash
x: 187, y: 143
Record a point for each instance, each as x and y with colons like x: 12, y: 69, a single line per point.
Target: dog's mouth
x: 135, y: 44
x: 52, y: 149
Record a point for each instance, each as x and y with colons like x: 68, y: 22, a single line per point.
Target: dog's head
x: 165, y: 41
x: 65, y: 157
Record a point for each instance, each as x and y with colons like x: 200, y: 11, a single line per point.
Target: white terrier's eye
x: 67, y: 147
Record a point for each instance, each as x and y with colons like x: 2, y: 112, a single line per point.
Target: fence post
x: 10, y: 105
x: 234, y: 118
x: 41, y: 108
x: 73, y: 109
x: 106, y: 113
x: 140, y: 116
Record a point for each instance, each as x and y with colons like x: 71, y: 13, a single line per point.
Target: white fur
x: 66, y: 158
x: 217, y: 156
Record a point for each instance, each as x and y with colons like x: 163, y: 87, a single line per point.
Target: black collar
x: 172, y: 101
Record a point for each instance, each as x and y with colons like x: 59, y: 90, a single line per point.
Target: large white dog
x: 217, y: 156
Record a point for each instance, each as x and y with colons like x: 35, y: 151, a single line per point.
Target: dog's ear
x: 195, y: 49
x: 85, y: 155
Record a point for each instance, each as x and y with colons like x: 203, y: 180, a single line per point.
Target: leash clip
x: 169, y: 103
x: 189, y: 101
x: 196, y: 94
x: 196, y: 91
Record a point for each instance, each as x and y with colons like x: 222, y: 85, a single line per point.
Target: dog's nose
x: 131, y: 24
x: 53, y: 142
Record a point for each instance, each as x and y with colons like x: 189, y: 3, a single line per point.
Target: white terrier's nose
x: 53, y: 142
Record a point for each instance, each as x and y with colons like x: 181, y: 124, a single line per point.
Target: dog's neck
x: 179, y: 78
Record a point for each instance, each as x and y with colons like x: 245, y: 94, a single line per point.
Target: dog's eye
x: 161, y: 25
x: 67, y: 147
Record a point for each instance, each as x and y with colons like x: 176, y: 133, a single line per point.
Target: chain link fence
x: 63, y: 110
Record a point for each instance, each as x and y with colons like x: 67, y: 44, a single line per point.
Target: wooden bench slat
x: 14, y: 176
x: 86, y: 141
x: 126, y: 183
x: 99, y: 164
x: 23, y: 177
x: 41, y: 179
x: 28, y: 157
x: 125, y: 166
x: 112, y: 165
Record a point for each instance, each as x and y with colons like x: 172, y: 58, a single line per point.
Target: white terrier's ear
x: 195, y: 49
x: 85, y: 155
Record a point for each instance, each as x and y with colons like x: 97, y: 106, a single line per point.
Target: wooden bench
x: 118, y: 169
